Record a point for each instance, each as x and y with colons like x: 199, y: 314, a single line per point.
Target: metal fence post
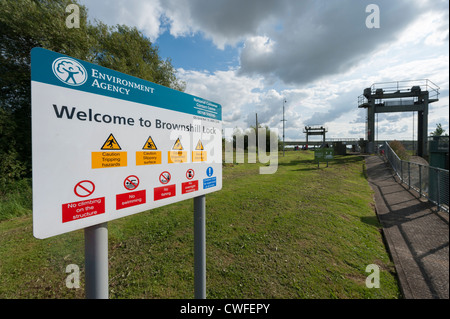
x: 420, y: 180
x: 438, y: 190
x: 401, y: 170
x: 409, y: 175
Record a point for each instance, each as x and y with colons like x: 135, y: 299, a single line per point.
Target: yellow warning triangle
x: 199, y: 146
x: 150, y: 145
x: 111, y: 143
x: 177, y: 145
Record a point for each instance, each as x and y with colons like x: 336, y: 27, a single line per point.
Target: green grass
x: 303, y: 232
x: 15, y: 199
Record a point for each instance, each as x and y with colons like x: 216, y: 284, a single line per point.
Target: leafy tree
x: 124, y: 49
x: 11, y: 168
x: 25, y: 24
x: 439, y: 131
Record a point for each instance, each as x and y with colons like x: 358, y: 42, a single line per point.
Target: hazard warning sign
x: 199, y: 146
x: 199, y: 155
x: 109, y: 159
x: 177, y: 155
x: 111, y: 144
x: 150, y: 145
x: 150, y: 155
x: 177, y: 145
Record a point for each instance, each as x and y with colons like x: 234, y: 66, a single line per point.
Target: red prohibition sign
x: 165, y: 177
x: 190, y: 173
x: 84, y: 188
x: 131, y: 182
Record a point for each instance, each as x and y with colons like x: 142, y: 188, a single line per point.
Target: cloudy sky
x: 318, y: 55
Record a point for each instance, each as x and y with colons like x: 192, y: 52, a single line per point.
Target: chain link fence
x: 430, y: 182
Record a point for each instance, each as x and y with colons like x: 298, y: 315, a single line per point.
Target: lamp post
x: 256, y: 131
x: 283, y: 120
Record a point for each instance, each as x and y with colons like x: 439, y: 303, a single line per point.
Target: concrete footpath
x: 416, y: 234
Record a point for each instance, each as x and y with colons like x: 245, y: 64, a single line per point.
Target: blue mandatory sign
x: 209, y: 171
x: 209, y: 182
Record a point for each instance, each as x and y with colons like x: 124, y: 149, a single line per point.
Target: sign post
x: 96, y: 261
x: 199, y: 248
x: 107, y: 145
x: 323, y: 154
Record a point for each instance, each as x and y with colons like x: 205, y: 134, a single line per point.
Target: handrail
x: 430, y: 182
x: 402, y: 86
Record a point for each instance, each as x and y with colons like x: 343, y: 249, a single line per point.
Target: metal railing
x: 403, y: 86
x: 430, y: 182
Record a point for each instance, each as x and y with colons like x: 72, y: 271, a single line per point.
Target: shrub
x: 400, y: 150
x: 16, y: 200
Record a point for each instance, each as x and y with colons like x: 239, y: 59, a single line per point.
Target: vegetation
x: 16, y: 200
x: 439, y: 131
x: 303, y: 232
x: 25, y: 24
x: 400, y: 150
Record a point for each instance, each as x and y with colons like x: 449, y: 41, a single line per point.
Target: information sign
x: 323, y: 154
x: 107, y: 145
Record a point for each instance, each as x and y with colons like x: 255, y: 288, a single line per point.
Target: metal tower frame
x: 400, y: 96
x: 315, y: 130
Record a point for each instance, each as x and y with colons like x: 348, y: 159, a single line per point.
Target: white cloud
x: 258, y: 51
x: 317, y: 54
x: 325, y: 39
x: 236, y: 94
x: 225, y: 22
x: 144, y: 15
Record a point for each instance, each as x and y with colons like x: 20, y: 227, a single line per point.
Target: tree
x: 126, y: 50
x: 25, y: 24
x: 439, y: 131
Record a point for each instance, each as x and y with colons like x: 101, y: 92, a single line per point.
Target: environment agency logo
x: 69, y: 71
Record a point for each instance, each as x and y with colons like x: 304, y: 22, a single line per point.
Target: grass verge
x: 303, y: 232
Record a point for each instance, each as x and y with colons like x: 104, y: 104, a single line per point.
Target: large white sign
x: 107, y: 145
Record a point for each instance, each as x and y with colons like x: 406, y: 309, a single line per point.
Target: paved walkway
x: 417, y: 235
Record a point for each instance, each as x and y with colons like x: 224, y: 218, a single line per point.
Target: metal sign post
x: 96, y: 261
x: 199, y: 248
